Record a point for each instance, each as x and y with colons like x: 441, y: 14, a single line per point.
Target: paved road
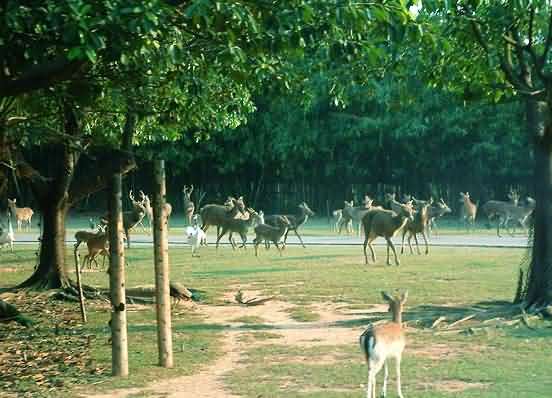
x: 465, y: 240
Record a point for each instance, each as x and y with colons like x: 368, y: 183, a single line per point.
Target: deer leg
x: 498, y: 227
x: 417, y: 244
x: 365, y: 244
x: 385, y: 378
x: 256, y: 242
x: 426, y: 243
x: 220, y: 235
x: 389, y: 243
x: 299, y: 236
x: 402, y: 244
x: 232, y: 242
x: 398, y: 365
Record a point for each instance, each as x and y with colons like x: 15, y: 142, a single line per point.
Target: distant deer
x: 500, y: 211
x: 417, y: 226
x: 436, y: 210
x: 84, y: 236
x: 355, y: 214
x: 97, y: 245
x: 23, y: 215
x: 148, y: 209
x: 189, y: 206
x: 381, y: 342
x: 295, y: 220
x: 470, y: 210
x: 393, y: 204
x: 130, y: 218
x: 239, y: 226
x: 386, y: 223
x: 337, y: 216
x: 520, y: 214
x: 213, y: 214
x: 270, y: 233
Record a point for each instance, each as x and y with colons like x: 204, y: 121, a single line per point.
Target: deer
x: 470, y: 210
x: 346, y: 219
x: 520, y: 214
x: 382, y: 342
x: 337, y: 216
x: 394, y: 205
x: 239, y: 225
x: 213, y: 214
x: 417, y: 226
x: 146, y: 202
x: 189, y: 206
x: 295, y: 220
x: 7, y: 237
x: 84, y: 236
x: 23, y: 215
x: 500, y: 210
x: 352, y: 213
x: 130, y: 218
x: 435, y: 211
x: 97, y: 245
x: 271, y: 233
x: 385, y: 223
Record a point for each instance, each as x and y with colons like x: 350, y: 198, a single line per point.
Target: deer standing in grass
x: 386, y: 223
x: 354, y: 214
x: 417, y: 226
x: 436, y: 210
x: 189, y: 206
x: 130, y: 218
x: 501, y: 211
x: 23, y: 215
x: 295, y: 220
x: 382, y: 342
x: 213, y: 214
x: 337, y: 216
x: 470, y: 210
x: 239, y: 225
x: 97, y: 245
x: 270, y: 233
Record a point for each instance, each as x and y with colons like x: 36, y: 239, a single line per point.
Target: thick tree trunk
x: 161, y: 255
x: 539, y: 276
x: 51, y: 272
x: 119, y: 339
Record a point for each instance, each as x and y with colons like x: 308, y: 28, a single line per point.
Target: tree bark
x: 119, y: 339
x: 539, y: 276
x: 161, y: 256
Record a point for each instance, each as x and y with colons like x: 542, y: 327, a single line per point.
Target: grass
x: 495, y: 362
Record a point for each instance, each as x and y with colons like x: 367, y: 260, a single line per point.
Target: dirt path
x: 209, y: 383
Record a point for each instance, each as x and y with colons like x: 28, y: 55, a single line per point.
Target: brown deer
x: 130, y: 218
x: 238, y: 225
x: 295, y: 220
x: 417, y: 226
x: 189, y: 206
x: 381, y: 342
x: 213, y: 214
x: 386, y: 223
x: 393, y: 204
x: 84, y: 236
x: 271, y: 233
x: 23, y: 215
x: 97, y: 245
x: 500, y: 210
x: 470, y: 210
x: 436, y: 210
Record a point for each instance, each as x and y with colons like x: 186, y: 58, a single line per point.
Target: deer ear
x: 386, y: 296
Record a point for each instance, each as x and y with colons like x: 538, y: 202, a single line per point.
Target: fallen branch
x: 437, y: 322
x: 252, y: 301
x: 466, y: 318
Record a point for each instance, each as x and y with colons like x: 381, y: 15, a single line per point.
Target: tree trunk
x: 51, y: 272
x: 119, y: 339
x: 161, y: 254
x: 539, y: 276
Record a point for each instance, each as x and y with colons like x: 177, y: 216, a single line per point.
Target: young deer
x: 436, y: 210
x: 470, y: 210
x: 97, y: 245
x: 270, y: 233
x: 417, y: 226
x: 238, y: 225
x: 337, y: 216
x: 189, y: 206
x: 355, y: 214
x: 84, y: 236
x: 381, y: 342
x: 295, y: 220
x: 23, y: 215
x: 386, y: 223
x: 500, y: 210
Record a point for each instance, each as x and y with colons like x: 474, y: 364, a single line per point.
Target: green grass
x: 507, y: 361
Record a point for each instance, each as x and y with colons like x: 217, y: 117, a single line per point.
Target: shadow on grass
x: 241, y: 271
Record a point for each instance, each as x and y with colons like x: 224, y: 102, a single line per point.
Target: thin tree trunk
x: 539, y: 278
x: 119, y: 340
x: 161, y: 254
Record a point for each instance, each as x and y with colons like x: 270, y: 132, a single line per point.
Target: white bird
x: 196, y: 237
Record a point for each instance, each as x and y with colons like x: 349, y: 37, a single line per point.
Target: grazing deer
x: 23, y: 215
x: 213, y: 214
x: 381, y: 342
x: 295, y: 220
x: 7, y: 237
x: 270, y: 233
x: 355, y: 214
x: 436, y: 210
x: 417, y: 226
x: 239, y: 225
x: 189, y: 206
x: 500, y: 210
x: 470, y: 210
x: 97, y: 245
x: 386, y: 223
